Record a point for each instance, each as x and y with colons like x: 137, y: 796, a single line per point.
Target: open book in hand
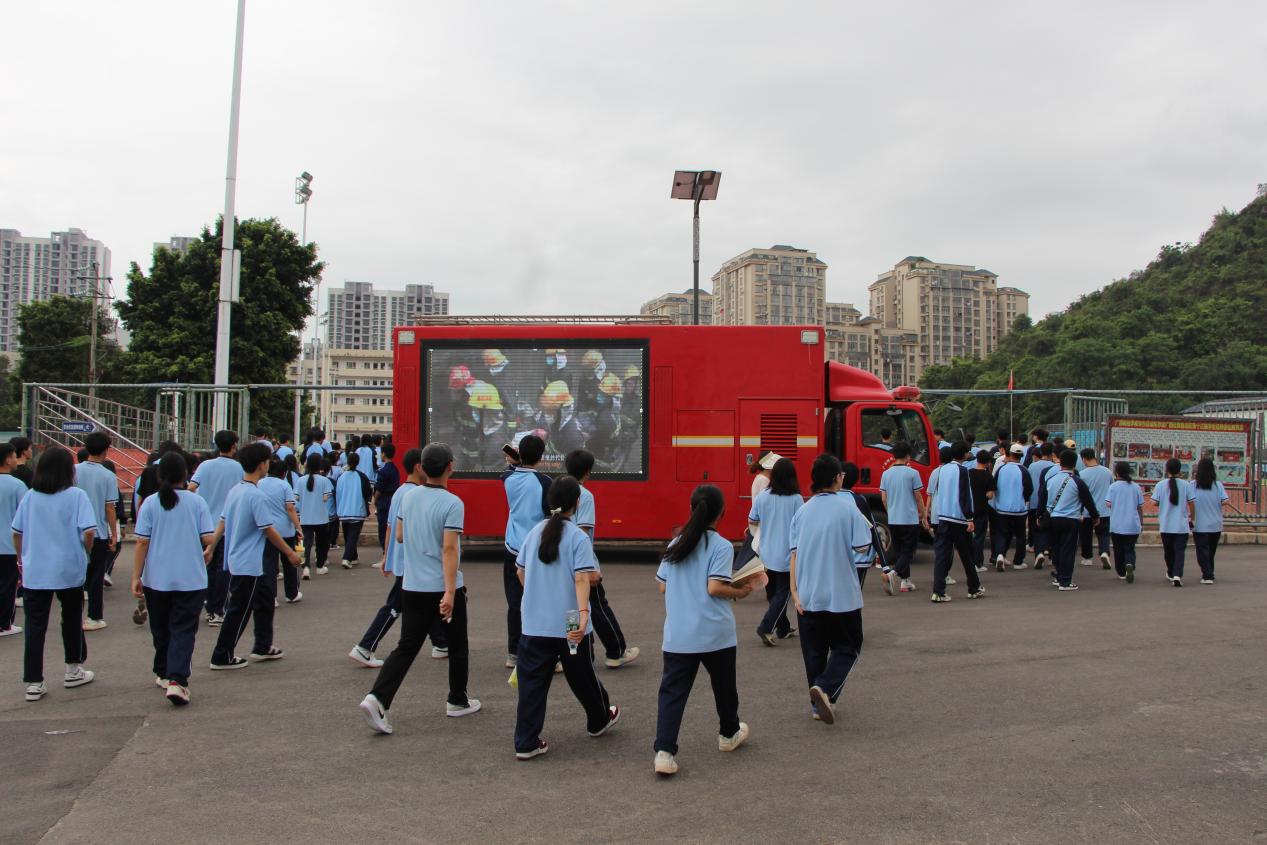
x: 753, y: 567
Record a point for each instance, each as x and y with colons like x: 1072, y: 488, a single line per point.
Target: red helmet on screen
x: 460, y: 377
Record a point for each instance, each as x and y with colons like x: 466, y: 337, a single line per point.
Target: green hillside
x: 1194, y: 319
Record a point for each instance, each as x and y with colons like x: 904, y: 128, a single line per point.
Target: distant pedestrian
x: 352, y: 496
x: 213, y: 480
x: 12, y: 491
x: 1013, y: 490
x: 1125, y: 502
x: 981, y: 480
x: 1061, y: 502
x: 281, y: 499
x: 1040, y: 467
x: 23, y: 471
x: 1098, y: 478
x: 1175, y: 514
x: 314, y: 499
x: 950, y: 515
x: 1208, y: 516
x: 102, y: 488
x: 385, y: 485
x: 899, y: 491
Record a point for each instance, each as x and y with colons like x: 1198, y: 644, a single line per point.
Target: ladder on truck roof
x: 519, y: 319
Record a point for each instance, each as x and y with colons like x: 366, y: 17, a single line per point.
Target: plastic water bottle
x: 573, y: 623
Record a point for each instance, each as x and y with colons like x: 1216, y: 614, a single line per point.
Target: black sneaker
x: 613, y: 713
x: 1130, y: 573
x: 235, y: 663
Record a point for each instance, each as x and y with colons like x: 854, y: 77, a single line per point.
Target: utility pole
x: 230, y: 262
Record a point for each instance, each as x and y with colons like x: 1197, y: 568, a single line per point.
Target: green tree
x: 54, y: 339
x: 10, y: 397
x: 171, y: 313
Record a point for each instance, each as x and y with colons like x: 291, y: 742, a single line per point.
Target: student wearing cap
x: 827, y: 531
x: 1062, y: 500
x: 1125, y: 502
x: 428, y: 530
x: 12, y: 491
x: 1175, y: 515
x: 1013, y: 490
x: 527, y: 497
x: 771, y: 515
x: 103, y: 491
x: 951, y: 508
x: 760, y: 471
x: 281, y: 504
x: 1207, y: 525
x: 899, y: 491
x: 1098, y: 479
x: 213, y: 480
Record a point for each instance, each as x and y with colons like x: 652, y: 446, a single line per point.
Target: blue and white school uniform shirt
x: 526, y: 491
x: 349, y: 497
x: 694, y: 621
x: 1209, y: 508
x: 52, y: 526
x: 314, y: 504
x: 899, y: 484
x: 215, y: 478
x: 278, y: 494
x: 1173, y: 519
x: 366, y: 465
x: 283, y: 452
x: 1009, y: 490
x: 1098, y: 480
x: 1124, y: 500
x: 246, y: 516
x: 1066, y: 496
x: 426, y: 514
x: 952, y: 500
x: 12, y: 492
x: 550, y: 588
x: 102, y: 488
x: 390, y: 553
x: 827, y: 532
x: 173, y: 561
x: 1038, y: 472
x: 773, y: 514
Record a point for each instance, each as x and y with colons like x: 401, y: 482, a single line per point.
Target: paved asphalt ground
x: 1114, y: 714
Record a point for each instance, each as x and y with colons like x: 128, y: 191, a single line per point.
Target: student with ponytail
x: 1126, y: 520
x: 352, y: 495
x: 699, y: 625
x: 1174, y: 498
x: 174, y: 533
x: 554, y: 565
x: 314, y: 495
x: 1209, y: 496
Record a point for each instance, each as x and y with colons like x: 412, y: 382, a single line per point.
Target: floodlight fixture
x: 695, y: 185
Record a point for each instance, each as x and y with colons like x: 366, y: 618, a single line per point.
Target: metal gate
x: 1086, y: 416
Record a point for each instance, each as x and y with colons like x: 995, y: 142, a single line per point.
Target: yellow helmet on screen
x: 611, y: 385
x: 555, y: 396
x: 632, y: 372
x: 493, y: 358
x: 484, y: 395
x: 592, y: 358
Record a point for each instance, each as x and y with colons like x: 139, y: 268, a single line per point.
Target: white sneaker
x: 12, y: 630
x: 34, y: 692
x: 511, y: 661
x: 1087, y: 561
x: 908, y: 586
x: 216, y: 620
x: 378, y: 564
x: 107, y: 580
x: 457, y: 710
x: 177, y: 695
x: 161, y: 683
x: 307, y: 576
x: 1021, y: 565
x: 77, y: 676
x: 365, y: 658
x: 275, y: 602
x: 94, y: 624
x: 731, y: 743
x: 1207, y: 580
x: 1104, y: 559
x: 888, y: 580
x: 375, y: 715
x: 323, y: 570
x: 438, y: 653
x: 950, y: 581
x: 279, y: 577
x: 665, y: 764
x: 630, y: 655
x: 981, y: 567
x: 347, y: 564
x: 299, y: 596
x: 999, y: 563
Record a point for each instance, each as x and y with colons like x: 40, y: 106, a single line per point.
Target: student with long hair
x: 1174, y: 498
x: 760, y: 471
x: 53, y: 530
x: 280, y: 496
x: 554, y: 565
x: 1207, y: 525
x: 174, y: 533
x: 699, y: 625
x: 12, y: 491
x: 352, y: 496
x: 314, y: 495
x: 1126, y: 520
x: 771, y: 514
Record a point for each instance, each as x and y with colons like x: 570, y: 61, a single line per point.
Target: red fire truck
x: 663, y: 408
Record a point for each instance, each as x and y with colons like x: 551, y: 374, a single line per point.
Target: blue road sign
x: 77, y: 427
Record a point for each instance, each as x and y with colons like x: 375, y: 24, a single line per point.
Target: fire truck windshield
x: 883, y: 427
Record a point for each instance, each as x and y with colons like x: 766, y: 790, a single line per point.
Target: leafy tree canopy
x: 54, y: 336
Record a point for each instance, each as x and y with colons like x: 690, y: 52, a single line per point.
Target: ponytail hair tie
x: 555, y: 511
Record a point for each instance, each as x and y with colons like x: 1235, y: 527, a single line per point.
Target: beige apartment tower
x: 778, y: 286
x: 678, y: 307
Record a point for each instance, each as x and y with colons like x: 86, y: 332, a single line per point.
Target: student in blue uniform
x: 862, y: 561
x: 314, y: 499
x: 981, y: 480
x: 1042, y: 464
x: 385, y: 485
x: 102, y: 488
x: 281, y: 504
x: 555, y: 561
x: 352, y: 495
x: 429, y: 533
x: 1126, y: 520
x: 284, y: 449
x: 699, y: 625
x: 950, y: 513
x: 368, y: 463
x: 826, y: 533
x: 1175, y: 515
x: 1207, y: 526
x: 1062, y: 500
x: 1098, y: 479
x: 1013, y: 491
x: 247, y: 527
x: 12, y: 491
x: 213, y: 480
x: 579, y: 463
x: 899, y: 491
x: 53, y: 529
x: 771, y: 520
x: 527, y: 495
x: 173, y: 528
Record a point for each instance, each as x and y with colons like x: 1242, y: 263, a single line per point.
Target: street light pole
x: 695, y: 185
x: 229, y: 263
x: 303, y: 193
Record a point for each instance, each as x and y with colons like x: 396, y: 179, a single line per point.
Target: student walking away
x: 1013, y: 491
x: 1038, y: 439
x: 352, y: 495
x: 771, y: 517
x: 121, y: 521
x: 333, y: 473
x: 429, y: 533
x: 284, y: 449
x: 899, y: 488
x: 1063, y: 499
x: 950, y: 506
x: 174, y: 530
x: 53, y: 531
x: 103, y: 492
x: 862, y: 560
x: 368, y: 464
x: 385, y: 486
x: 699, y: 624
x: 527, y: 495
x: 1043, y: 465
x: 940, y: 437
x: 1207, y: 525
x: 579, y: 463
x: 827, y: 532
x: 12, y: 491
x: 314, y: 499
x: 213, y: 480
x: 246, y: 526
x: 554, y: 566
x: 22, y: 449
x: 364, y: 651
x: 981, y: 480
x: 1098, y: 479
x: 1175, y: 516
x: 281, y: 505
x: 1125, y: 502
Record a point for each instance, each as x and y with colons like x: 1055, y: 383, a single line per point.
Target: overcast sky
x: 519, y: 155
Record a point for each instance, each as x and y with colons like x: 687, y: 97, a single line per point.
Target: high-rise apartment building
x: 35, y: 269
x: 778, y: 286
x: 362, y: 318
x: 865, y: 343
x: 954, y: 310
x: 177, y: 243
x: 360, y: 399
x: 678, y: 307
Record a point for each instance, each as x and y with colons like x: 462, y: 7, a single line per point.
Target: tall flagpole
x: 1011, y: 385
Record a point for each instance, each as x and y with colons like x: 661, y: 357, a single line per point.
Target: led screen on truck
x: 478, y: 398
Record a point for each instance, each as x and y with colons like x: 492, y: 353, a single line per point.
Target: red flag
x: 1011, y: 382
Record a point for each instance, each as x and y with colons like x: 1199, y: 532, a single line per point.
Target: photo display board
x: 1146, y: 443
